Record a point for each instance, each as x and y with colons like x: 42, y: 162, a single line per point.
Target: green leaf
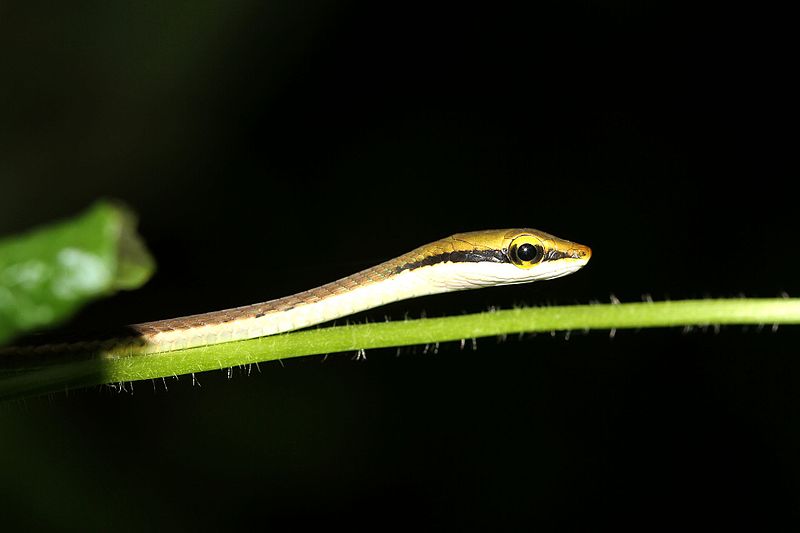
x: 48, y: 274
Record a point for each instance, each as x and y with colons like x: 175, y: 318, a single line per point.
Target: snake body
x: 462, y: 261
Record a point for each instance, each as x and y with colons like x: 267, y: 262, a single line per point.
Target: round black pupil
x: 527, y: 252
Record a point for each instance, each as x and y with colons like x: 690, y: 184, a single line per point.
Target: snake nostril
x: 580, y: 253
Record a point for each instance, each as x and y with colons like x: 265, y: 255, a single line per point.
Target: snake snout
x: 580, y: 252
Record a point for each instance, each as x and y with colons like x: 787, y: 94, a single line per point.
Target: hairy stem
x: 75, y: 370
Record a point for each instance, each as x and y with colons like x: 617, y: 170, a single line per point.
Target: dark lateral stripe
x: 554, y: 255
x: 472, y: 256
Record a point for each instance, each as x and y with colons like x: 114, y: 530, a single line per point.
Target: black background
x: 272, y: 146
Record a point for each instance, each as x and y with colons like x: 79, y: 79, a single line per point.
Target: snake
x: 462, y: 261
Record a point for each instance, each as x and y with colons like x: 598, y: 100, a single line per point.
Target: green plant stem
x: 104, y: 368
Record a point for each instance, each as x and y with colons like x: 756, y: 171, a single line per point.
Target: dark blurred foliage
x: 272, y: 146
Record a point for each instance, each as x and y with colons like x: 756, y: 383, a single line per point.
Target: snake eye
x: 525, y: 251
